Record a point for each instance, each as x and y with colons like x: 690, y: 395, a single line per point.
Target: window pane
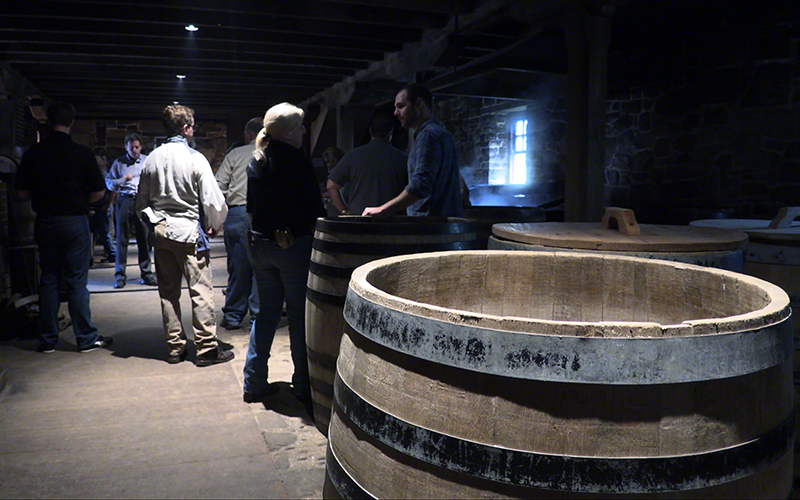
x: 519, y: 169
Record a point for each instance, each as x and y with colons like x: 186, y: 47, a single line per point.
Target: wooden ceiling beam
x: 242, y: 30
x: 348, y: 57
x: 435, y: 6
x: 246, y: 12
x: 172, y: 64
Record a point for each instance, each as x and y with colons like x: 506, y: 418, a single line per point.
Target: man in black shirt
x: 61, y: 179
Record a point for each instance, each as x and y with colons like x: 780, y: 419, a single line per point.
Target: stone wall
x: 705, y: 123
x: 481, y: 128
x: 721, y: 137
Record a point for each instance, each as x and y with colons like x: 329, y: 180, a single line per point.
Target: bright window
x: 518, y: 169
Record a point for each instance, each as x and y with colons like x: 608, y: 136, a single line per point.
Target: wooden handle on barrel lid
x: 785, y: 217
x: 623, y: 220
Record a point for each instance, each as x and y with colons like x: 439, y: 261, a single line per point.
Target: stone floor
x: 122, y: 423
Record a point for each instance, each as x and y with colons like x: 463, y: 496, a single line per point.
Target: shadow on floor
x: 286, y: 403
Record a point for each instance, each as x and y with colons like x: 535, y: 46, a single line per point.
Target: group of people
x: 266, y: 195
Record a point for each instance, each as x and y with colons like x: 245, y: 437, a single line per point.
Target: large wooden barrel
x: 486, y: 216
x: 773, y: 254
x: 620, y: 234
x: 560, y: 375
x: 341, y: 244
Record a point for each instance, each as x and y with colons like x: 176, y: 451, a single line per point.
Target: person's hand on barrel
x: 399, y: 202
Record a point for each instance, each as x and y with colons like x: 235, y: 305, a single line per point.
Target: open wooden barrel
x: 620, y: 234
x: 341, y: 244
x: 560, y: 375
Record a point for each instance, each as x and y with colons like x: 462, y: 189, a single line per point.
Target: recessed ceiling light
x: 181, y: 77
x: 191, y: 27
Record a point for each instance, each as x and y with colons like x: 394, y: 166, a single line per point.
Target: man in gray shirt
x: 241, y: 293
x: 375, y: 172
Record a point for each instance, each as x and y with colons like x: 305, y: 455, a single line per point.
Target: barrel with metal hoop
x: 560, y: 375
x: 341, y: 244
x: 773, y: 254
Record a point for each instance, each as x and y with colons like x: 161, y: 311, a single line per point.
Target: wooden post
x: 588, y: 32
x: 344, y: 128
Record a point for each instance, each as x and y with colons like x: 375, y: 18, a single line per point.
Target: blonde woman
x: 284, y: 202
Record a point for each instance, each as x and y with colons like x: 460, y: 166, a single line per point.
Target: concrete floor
x: 122, y: 423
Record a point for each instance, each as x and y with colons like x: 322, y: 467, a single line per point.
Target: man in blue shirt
x: 433, y: 178
x: 123, y: 177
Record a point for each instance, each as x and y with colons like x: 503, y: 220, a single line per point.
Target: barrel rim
x: 524, y: 232
x: 776, y: 310
x: 497, y: 243
x: 539, y: 350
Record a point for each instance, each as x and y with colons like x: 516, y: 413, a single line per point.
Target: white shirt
x: 176, y: 181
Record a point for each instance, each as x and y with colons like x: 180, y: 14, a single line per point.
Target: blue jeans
x: 65, y: 247
x: 99, y: 224
x: 126, y: 217
x: 280, y: 274
x: 242, y: 292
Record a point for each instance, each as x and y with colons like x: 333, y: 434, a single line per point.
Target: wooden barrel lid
x: 783, y: 229
x: 600, y: 236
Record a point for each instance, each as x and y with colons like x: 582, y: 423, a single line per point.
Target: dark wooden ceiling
x: 122, y: 58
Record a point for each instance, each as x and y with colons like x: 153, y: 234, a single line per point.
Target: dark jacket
x: 282, y: 192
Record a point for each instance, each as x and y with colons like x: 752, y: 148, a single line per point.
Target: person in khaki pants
x: 180, y: 198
